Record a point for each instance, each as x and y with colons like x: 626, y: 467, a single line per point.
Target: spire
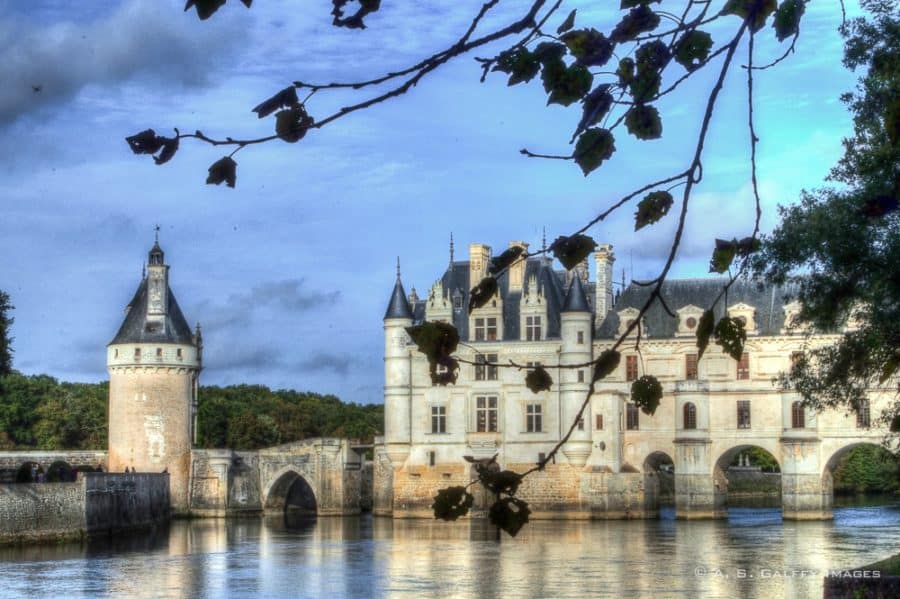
x: 544, y: 239
x: 398, y: 306
x: 576, y: 300
x: 157, y: 258
x: 451, y: 248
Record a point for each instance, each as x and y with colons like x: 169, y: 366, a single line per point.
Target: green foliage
x: 867, y: 469
x: 520, y: 64
x: 787, y: 18
x: 653, y: 207
x: 5, y: 339
x: 646, y: 393
x: 705, y: 329
x: 692, y: 50
x: 481, y: 294
x: 451, y: 503
x: 593, y: 147
x: 643, y: 122
x: 589, y: 47
x: 758, y: 457
x: 755, y: 12
x: 731, y: 335
x: 223, y: 170
x: 538, y: 380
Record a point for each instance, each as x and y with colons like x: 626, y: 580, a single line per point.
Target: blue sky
x: 290, y: 272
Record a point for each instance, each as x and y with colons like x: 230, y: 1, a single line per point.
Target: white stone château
x: 712, y: 408
x: 154, y: 364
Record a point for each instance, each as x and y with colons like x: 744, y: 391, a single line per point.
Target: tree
x: 845, y: 239
x: 615, y: 78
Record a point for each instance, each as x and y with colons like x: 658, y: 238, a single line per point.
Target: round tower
x: 575, y: 330
x: 154, y: 365
x: 397, y: 373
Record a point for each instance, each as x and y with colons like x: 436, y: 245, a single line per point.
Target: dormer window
x: 746, y: 314
x: 791, y: 316
x: 627, y: 318
x: 688, y: 319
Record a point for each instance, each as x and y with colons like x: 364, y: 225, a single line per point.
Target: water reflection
x: 752, y: 554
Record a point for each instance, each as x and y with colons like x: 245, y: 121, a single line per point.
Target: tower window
x: 743, y: 413
x: 631, y: 368
x: 690, y: 367
x: 599, y: 422
x: 431, y: 458
x: 533, y: 418
x: 178, y: 353
x: 580, y: 338
x: 631, y: 417
x: 743, y: 367
x: 486, y: 414
x: 159, y: 352
x: 438, y: 419
x: 532, y: 328
x: 798, y: 417
x: 580, y: 376
x: 137, y: 353
x: 690, y: 416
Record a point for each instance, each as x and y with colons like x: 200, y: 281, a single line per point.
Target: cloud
x: 339, y: 364
x: 43, y: 66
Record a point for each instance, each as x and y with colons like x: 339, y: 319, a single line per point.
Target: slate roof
x: 135, y: 328
x: 576, y: 301
x: 398, y: 306
x: 456, y: 282
x: 768, y: 300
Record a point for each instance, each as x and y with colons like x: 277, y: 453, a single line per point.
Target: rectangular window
x: 178, y: 353
x: 690, y: 367
x: 486, y: 369
x: 533, y: 418
x: 438, y: 419
x: 486, y: 329
x: 599, y: 422
x: 743, y: 413
x: 580, y: 376
x: 159, y: 352
x: 137, y: 353
x: 580, y: 337
x: 631, y: 368
x: 486, y: 414
x: 631, y: 417
x: 862, y: 414
x: 743, y: 367
x: 532, y: 328
x: 431, y: 458
x: 581, y: 424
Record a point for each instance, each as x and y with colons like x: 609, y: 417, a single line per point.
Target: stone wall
x: 11, y: 460
x: 97, y: 503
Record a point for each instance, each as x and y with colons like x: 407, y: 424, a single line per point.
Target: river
x: 752, y: 554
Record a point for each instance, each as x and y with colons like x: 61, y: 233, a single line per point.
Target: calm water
x: 753, y: 554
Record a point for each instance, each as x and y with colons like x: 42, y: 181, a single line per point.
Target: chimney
x: 479, y: 260
x: 603, y: 258
x: 517, y: 270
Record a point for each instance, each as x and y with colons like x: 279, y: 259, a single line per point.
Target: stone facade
x: 97, y: 503
x: 712, y: 408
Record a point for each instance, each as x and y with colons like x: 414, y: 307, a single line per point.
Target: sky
x: 289, y: 273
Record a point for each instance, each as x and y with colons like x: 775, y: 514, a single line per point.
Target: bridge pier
x: 804, y: 493
x: 698, y: 494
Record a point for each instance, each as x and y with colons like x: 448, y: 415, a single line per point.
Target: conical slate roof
x: 398, y: 307
x: 576, y: 300
x: 137, y: 329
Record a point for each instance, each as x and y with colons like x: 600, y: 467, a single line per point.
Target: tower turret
x: 397, y: 373
x: 575, y: 330
x: 154, y: 365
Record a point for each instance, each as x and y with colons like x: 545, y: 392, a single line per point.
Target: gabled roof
x: 398, y: 306
x: 767, y: 300
x: 137, y: 329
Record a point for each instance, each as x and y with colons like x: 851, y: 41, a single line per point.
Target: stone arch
x: 28, y: 472
x: 290, y: 490
x: 744, y: 478
x: 657, y: 461
x: 659, y: 477
x: 832, y: 462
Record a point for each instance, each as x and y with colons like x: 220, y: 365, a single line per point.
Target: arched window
x: 798, y: 417
x: 690, y: 416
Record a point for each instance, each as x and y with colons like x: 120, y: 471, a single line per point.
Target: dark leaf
x: 505, y: 481
x: 589, y: 46
x: 890, y: 367
x: 638, y: 20
x: 895, y: 424
x: 169, y: 147
x: 547, y: 52
x: 632, y: 3
x: 643, y: 122
x: 145, y: 142
x: 787, y: 18
x: 446, y: 374
x: 355, y: 20
x: 704, y: 331
x: 570, y: 251
x: 283, y: 99
x: 566, y: 85
x: 606, y: 363
x: 596, y: 105
x: 593, y: 147
x: 520, y: 64
x: 652, y: 56
x: 247, y: 3
x: 480, y: 461
x: 723, y: 255
x: 505, y: 260
x: 568, y: 23
x: 223, y: 170
x: 747, y: 246
x: 646, y: 393
x: 645, y: 85
x: 509, y: 514
x: 625, y: 72
x: 482, y: 293
x: 205, y: 8
x: 292, y: 124
x: 692, y: 50
x: 730, y: 334
x: 451, y: 503
x: 437, y: 340
x: 538, y: 380
x: 653, y: 207
x: 755, y: 12
x: 878, y: 206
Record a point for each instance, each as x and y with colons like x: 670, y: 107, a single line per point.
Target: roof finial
x: 157, y: 234
x: 543, y: 239
x: 398, y: 268
x: 143, y: 271
x: 451, y: 248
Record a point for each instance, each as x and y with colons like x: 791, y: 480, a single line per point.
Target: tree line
x: 40, y: 412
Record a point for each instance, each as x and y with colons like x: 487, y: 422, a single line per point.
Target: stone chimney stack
x: 517, y: 270
x: 604, y: 259
x: 479, y: 260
